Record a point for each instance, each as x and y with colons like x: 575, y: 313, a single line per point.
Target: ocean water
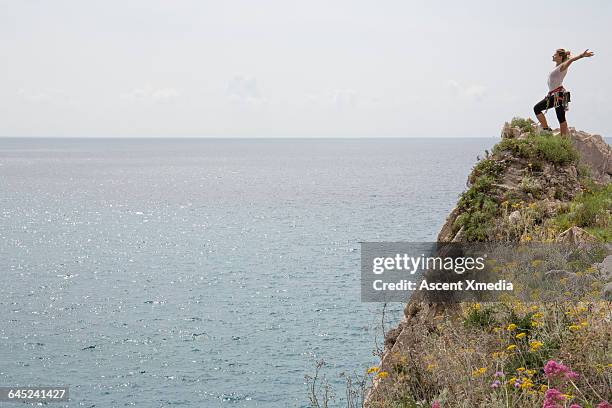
x: 204, y: 273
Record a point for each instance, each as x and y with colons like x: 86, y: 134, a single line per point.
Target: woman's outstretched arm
x: 585, y: 54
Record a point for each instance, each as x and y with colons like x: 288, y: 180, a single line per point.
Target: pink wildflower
x: 436, y: 404
x: 575, y: 406
x: 553, y: 399
x: 604, y: 404
x: 553, y: 369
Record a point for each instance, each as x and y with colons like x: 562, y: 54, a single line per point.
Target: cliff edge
x: 535, y: 186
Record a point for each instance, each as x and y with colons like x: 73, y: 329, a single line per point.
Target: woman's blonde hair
x: 563, y: 53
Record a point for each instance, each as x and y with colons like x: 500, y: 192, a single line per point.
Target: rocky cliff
x: 533, y: 186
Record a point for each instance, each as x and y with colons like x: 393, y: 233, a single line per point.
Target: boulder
x: 510, y: 132
x: 605, y: 268
x: 576, y: 236
x: 607, y: 292
x: 515, y: 216
x: 595, y: 153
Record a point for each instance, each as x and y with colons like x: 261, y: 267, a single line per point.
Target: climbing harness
x: 560, y: 97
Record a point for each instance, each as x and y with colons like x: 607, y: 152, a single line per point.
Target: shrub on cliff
x: 555, y: 149
x: 479, y: 208
x: 526, y: 125
x: 540, y: 146
x: 591, y: 210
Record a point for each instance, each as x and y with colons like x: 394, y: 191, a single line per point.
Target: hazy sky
x: 260, y: 68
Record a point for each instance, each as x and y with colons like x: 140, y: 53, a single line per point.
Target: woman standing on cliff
x: 558, y: 97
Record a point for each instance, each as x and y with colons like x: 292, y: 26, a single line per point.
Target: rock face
x: 594, y: 153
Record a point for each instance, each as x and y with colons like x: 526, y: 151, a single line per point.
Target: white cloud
x: 345, y: 98
x: 341, y: 99
x: 148, y: 94
x: 472, y: 92
x: 244, y: 90
x: 42, y: 95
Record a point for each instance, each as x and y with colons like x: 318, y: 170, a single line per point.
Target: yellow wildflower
x: 521, y: 369
x: 373, y: 370
x: 479, y: 372
x: 535, y: 345
x: 511, y: 347
x: 383, y: 374
x: 511, y: 327
x: 521, y: 335
x: 574, y: 327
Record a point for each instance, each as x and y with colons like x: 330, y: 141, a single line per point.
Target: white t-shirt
x: 555, y: 78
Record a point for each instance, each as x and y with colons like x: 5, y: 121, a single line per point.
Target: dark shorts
x: 548, y: 103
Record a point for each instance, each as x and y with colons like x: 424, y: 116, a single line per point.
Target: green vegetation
x: 590, y: 210
x: 479, y: 209
x: 521, y: 123
x: 479, y: 317
x: 555, y: 149
x: 531, y: 185
x: 543, y: 146
x: 487, y: 167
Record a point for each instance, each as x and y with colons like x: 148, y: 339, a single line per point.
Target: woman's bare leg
x: 564, y: 128
x: 542, y: 120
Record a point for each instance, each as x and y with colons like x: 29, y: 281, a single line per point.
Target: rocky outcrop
x: 594, y: 153
x: 522, y: 185
x: 543, y: 181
